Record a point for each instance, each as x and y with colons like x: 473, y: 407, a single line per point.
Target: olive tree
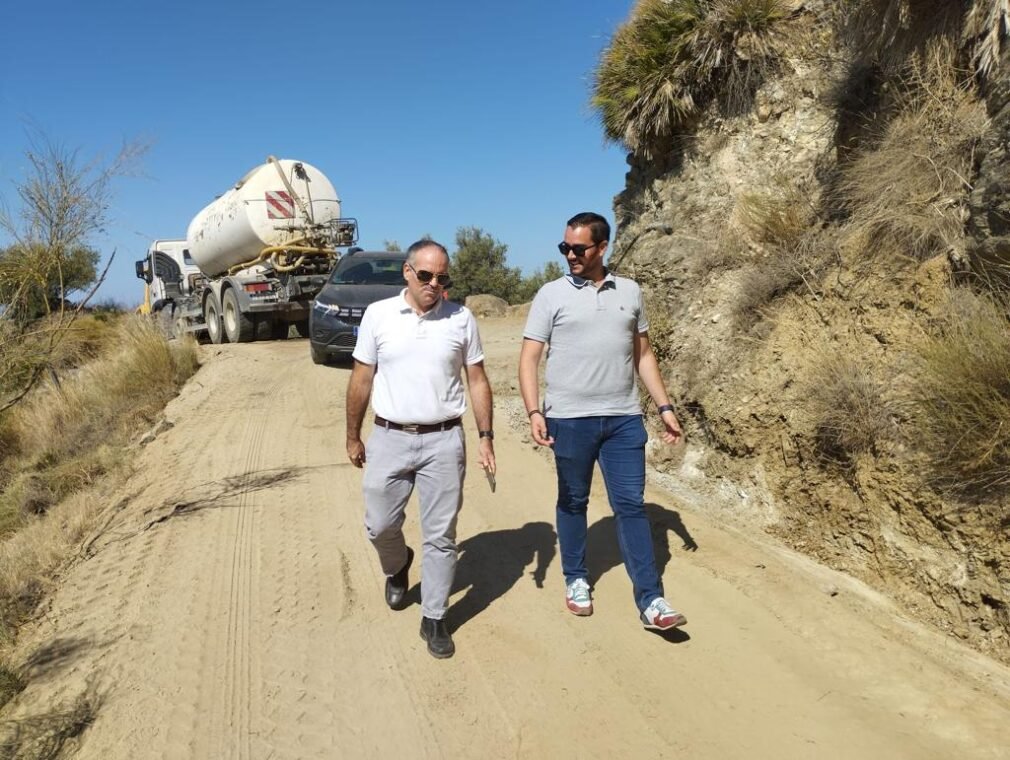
x: 479, y: 267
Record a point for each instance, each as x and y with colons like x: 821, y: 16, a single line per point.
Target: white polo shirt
x: 418, y: 359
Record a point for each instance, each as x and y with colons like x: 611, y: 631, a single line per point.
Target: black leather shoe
x: 396, y: 585
x: 437, y: 635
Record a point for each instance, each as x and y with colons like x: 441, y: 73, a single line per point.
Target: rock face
x: 989, y: 206
x: 487, y: 306
x: 744, y: 384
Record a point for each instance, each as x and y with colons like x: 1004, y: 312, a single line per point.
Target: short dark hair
x: 599, y: 227
x: 424, y: 243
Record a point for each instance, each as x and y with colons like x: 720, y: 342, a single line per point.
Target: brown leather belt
x: 437, y: 427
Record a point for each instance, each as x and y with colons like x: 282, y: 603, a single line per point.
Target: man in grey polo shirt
x: 410, y: 353
x: 596, y: 327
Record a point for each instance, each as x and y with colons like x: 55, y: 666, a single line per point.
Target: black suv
x: 358, y: 279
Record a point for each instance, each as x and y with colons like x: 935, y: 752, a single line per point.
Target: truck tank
x: 278, y: 202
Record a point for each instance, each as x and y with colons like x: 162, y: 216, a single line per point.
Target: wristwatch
x: 489, y: 434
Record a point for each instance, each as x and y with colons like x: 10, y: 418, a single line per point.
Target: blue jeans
x: 618, y: 443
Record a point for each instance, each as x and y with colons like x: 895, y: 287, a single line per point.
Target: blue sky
x: 425, y: 116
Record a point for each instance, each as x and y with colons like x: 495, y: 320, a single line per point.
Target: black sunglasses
x: 424, y: 277
x: 578, y: 250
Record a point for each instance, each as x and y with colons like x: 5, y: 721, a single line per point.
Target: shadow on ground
x: 493, y: 562
x: 603, y: 554
x: 52, y: 734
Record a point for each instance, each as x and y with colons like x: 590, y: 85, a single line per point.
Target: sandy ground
x: 232, y: 608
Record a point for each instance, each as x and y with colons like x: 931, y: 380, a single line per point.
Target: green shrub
x: 672, y: 56
x: 962, y: 394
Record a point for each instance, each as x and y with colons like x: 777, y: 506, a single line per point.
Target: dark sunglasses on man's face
x: 424, y: 277
x: 578, y: 250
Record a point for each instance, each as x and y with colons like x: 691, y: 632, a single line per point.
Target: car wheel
x: 318, y: 354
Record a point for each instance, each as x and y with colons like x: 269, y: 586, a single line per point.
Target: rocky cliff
x: 791, y: 283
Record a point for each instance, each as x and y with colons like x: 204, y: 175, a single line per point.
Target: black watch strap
x: 486, y: 434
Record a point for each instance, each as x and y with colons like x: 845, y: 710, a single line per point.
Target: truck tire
x: 302, y: 326
x: 318, y: 354
x: 212, y: 316
x: 239, y: 327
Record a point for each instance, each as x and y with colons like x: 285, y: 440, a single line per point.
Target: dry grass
x: 106, y: 400
x: 11, y: 683
x: 962, y: 394
x: 890, y: 30
x: 907, y: 192
x: 63, y: 440
x: 673, y: 56
x: 783, y: 269
x: 29, y: 557
x: 51, y: 735
x: 887, y: 32
x: 847, y: 404
x: 985, y: 31
x: 780, y: 219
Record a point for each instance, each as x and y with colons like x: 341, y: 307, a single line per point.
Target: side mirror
x: 143, y: 270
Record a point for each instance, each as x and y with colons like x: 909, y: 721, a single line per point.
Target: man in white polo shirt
x: 596, y: 327
x: 409, y: 356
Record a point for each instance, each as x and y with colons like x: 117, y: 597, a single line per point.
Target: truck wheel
x: 318, y: 354
x: 212, y: 316
x: 238, y: 327
x: 302, y: 326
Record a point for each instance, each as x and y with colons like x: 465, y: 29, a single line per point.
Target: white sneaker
x: 577, y: 597
x: 660, y: 616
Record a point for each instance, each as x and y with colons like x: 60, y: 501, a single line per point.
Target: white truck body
x: 254, y: 258
x: 259, y: 212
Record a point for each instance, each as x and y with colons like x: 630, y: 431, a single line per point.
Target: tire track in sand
x: 236, y: 738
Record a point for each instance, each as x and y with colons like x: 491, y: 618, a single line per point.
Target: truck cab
x: 170, y: 273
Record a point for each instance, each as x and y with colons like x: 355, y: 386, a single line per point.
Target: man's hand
x: 487, y: 460
x: 356, y: 452
x: 538, y: 429
x: 359, y: 388
x: 673, y: 433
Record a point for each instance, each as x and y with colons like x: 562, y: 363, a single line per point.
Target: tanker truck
x: 253, y: 259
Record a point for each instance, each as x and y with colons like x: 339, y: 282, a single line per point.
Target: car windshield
x: 357, y: 271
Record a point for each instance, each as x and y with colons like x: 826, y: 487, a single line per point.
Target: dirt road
x: 233, y: 609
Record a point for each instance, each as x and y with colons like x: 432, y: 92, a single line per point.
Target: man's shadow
x: 491, y: 563
x: 603, y: 553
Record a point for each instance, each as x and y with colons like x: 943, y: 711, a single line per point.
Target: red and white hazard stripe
x: 280, y: 205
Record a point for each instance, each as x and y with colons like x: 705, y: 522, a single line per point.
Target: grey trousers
x: 436, y: 463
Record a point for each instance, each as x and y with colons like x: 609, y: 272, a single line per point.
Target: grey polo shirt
x: 590, y: 332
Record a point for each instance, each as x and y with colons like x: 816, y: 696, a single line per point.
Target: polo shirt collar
x: 406, y: 307
x: 580, y: 282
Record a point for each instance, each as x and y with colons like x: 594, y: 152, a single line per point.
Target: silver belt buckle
x: 409, y: 428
